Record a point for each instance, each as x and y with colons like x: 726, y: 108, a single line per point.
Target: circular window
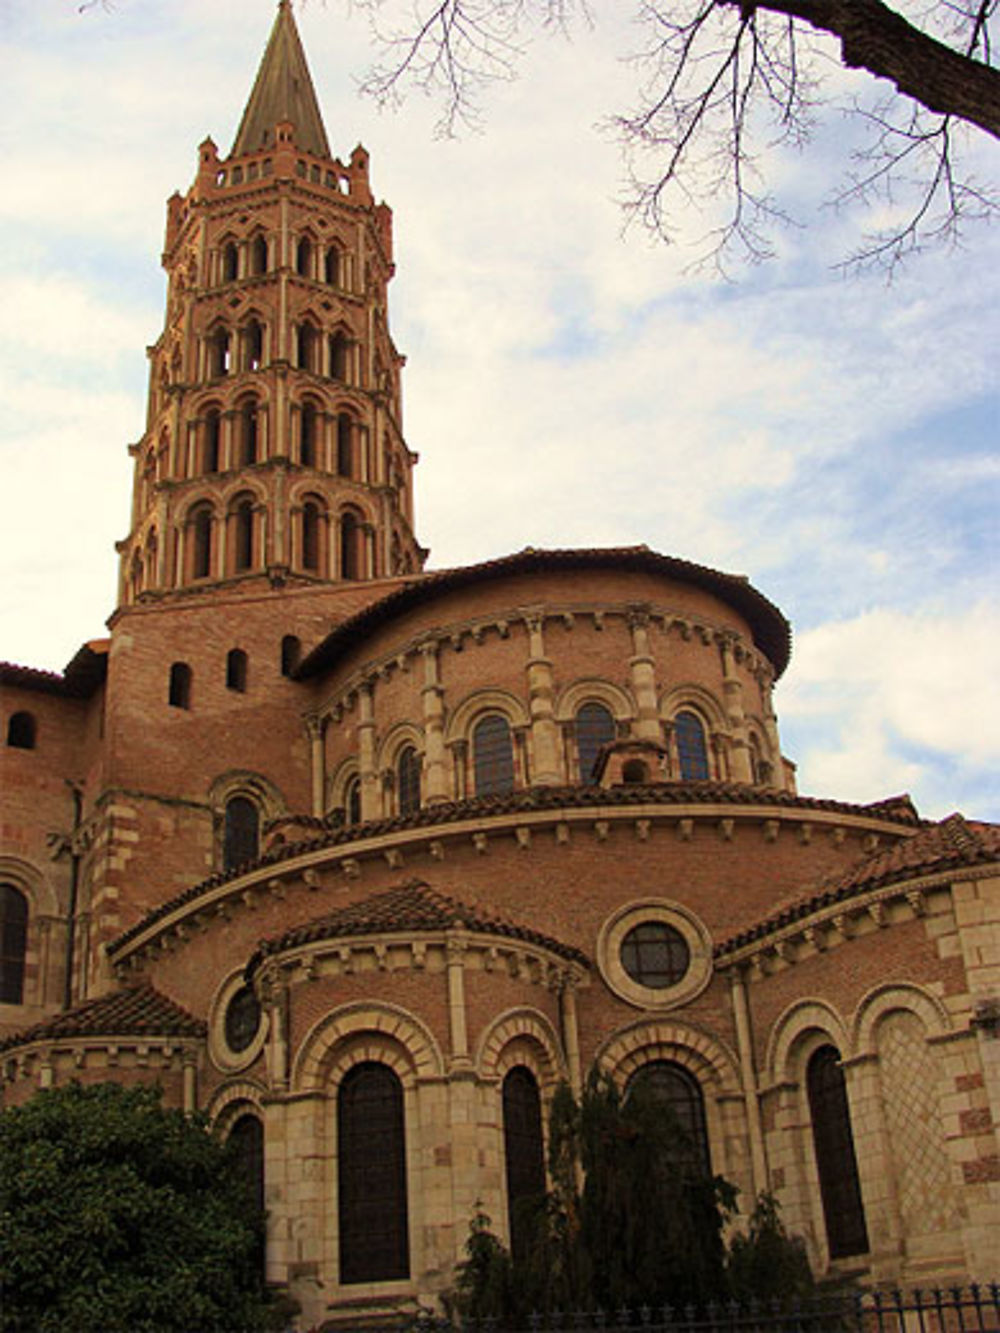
x: 242, y: 1020
x: 237, y: 1026
x: 655, y: 955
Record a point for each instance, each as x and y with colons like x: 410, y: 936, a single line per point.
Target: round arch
x: 697, y: 699
x: 365, y: 1031
x: 890, y: 998
x: 802, y: 1020
x: 619, y: 702
x: 485, y: 701
x: 230, y: 1100
x: 36, y: 887
x: 685, y: 1044
x: 521, y: 1036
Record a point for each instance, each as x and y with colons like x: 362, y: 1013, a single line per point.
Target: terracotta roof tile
x: 315, y: 833
x: 938, y: 848
x: 135, y: 1011
x: 414, y: 906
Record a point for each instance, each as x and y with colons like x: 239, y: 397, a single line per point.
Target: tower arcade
x: 273, y: 444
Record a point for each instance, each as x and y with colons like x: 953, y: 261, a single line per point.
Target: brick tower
x: 273, y: 446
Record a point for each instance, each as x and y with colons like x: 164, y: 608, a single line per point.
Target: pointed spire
x: 283, y: 90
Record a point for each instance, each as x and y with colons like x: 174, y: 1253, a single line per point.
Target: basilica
x: 363, y: 859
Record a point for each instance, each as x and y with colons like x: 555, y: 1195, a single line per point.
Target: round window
x: 655, y: 955
x: 242, y: 1020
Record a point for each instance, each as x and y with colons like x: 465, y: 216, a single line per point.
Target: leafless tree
x: 721, y: 82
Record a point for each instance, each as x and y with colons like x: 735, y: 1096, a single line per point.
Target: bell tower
x: 273, y: 448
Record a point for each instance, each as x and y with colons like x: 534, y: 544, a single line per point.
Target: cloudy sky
x: 833, y: 438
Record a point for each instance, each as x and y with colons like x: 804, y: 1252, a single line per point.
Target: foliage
x: 720, y: 82
x: 630, y: 1219
x: 766, y: 1263
x: 117, y: 1214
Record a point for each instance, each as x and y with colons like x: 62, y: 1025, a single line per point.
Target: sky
x: 832, y: 437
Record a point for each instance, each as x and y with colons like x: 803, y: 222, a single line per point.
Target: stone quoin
x: 363, y: 859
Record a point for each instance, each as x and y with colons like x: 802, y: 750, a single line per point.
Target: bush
x: 119, y: 1215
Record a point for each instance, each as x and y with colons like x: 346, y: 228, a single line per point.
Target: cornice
x: 28, y: 1061
x: 858, y: 914
x: 472, y: 630
x: 462, y: 827
x: 407, y: 950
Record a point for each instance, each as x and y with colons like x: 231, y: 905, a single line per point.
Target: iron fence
x: 971, y: 1309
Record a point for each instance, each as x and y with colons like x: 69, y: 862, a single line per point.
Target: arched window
x: 339, y: 357
x: 692, y: 752
x: 673, y: 1087
x: 303, y: 257
x: 493, y: 755
x: 408, y: 780
x: 310, y: 535
x: 305, y: 347
x: 213, y: 437
x: 219, y: 349
x: 331, y: 266
x: 839, y: 1185
x: 241, y: 834
x: 21, y: 733
x: 243, y: 546
x: 236, y: 670
x: 230, y: 262
x: 345, y: 445
x: 307, y: 435
x: 201, y: 535
x: 595, y: 727
x: 249, y: 431
x: 13, y: 943
x: 291, y: 651
x: 352, y: 801
x: 258, y: 255
x: 350, y: 546
x: 179, y: 688
x: 253, y: 341
x: 524, y: 1150
x: 371, y: 1176
x: 247, y: 1138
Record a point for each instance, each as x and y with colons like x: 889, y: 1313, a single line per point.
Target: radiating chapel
x: 364, y: 859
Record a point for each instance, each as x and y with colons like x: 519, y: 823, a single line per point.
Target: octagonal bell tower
x: 273, y: 449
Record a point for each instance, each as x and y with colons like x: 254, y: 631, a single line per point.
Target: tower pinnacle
x: 282, y: 91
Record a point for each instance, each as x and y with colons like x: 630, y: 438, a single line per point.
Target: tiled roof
x: 771, y: 631
x: 317, y: 833
x: 937, y: 849
x: 414, y: 906
x: 86, y: 670
x: 135, y: 1011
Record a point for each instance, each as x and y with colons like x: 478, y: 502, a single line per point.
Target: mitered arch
x: 525, y: 1037
x: 890, y: 998
x: 365, y: 1031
